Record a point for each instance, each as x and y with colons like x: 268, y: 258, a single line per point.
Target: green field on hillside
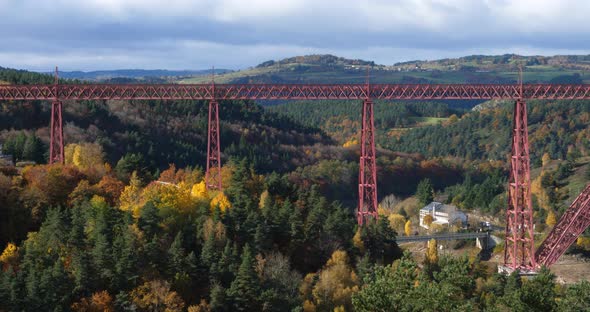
x: 315, y: 74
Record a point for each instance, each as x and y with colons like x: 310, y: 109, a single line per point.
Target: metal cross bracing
x: 293, y: 92
x: 519, y: 252
x: 56, y: 141
x: 213, y: 172
x: 574, y: 221
x: 519, y: 248
x: 368, y: 204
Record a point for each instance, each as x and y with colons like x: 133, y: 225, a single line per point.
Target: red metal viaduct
x: 520, y: 251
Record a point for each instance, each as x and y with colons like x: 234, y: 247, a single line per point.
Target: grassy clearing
x: 578, y: 181
x: 428, y: 121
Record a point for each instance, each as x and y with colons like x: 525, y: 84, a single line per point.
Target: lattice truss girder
x: 572, y: 224
x: 292, y: 91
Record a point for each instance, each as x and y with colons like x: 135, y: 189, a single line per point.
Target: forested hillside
x: 127, y: 224
x: 558, y: 130
x: 341, y: 119
x: 555, y: 127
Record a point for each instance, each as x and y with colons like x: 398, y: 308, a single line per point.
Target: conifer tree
x: 218, y: 298
x: 125, y: 258
x: 19, y: 145
x: 425, y: 192
x: 209, y: 252
x: 176, y: 255
x: 227, y: 264
x: 149, y: 219
x: 295, y: 228
x: 33, y: 149
x: 244, y: 289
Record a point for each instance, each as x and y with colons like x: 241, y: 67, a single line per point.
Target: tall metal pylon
x: 213, y: 173
x: 519, y: 252
x: 56, y: 140
x: 367, y: 207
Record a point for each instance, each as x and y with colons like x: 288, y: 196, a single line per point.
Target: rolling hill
x: 470, y: 69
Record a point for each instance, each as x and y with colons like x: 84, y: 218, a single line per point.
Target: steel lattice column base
x: 519, y: 253
x: 213, y: 173
x: 367, y: 207
x: 56, y: 144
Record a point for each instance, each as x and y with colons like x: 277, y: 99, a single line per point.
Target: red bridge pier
x: 367, y: 168
x: 56, y: 137
x: 213, y: 173
x: 56, y: 145
x: 519, y: 253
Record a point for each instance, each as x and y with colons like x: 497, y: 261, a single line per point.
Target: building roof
x: 439, y: 207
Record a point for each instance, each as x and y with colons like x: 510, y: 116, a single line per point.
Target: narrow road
x: 441, y: 237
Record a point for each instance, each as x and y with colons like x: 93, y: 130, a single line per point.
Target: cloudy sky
x: 196, y: 34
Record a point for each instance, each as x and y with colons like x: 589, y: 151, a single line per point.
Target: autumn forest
x: 127, y: 223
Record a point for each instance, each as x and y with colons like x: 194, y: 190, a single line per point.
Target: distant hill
x: 469, y: 69
x: 501, y: 62
x: 138, y: 74
x: 328, y: 68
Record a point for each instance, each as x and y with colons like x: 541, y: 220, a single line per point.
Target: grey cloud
x: 130, y: 33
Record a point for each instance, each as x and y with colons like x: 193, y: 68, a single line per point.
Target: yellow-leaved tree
x: 170, y: 199
x: 176, y: 197
x: 538, y: 190
x: 99, y: 301
x: 408, y: 228
x: 431, y: 256
x: 88, y: 155
x: 428, y: 219
x: 396, y: 222
x: 130, y: 197
x: 264, y: 198
x: 583, y: 242
x: 156, y: 296
x: 199, y: 191
x: 84, y: 155
x: 336, y: 284
x: 551, y: 219
x: 220, y: 200
x: 9, y: 255
x: 351, y: 142
x: 357, y: 241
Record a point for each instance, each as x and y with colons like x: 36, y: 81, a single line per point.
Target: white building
x: 442, y: 214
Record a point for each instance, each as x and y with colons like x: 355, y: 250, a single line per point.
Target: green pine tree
x: 80, y: 268
x: 425, y: 192
x: 243, y: 292
x: 149, y: 219
x: 218, y: 299
x: 296, y: 230
x: 176, y: 255
x: 125, y: 258
x: 19, y: 145
x: 33, y: 149
x: 209, y: 252
x: 227, y: 264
